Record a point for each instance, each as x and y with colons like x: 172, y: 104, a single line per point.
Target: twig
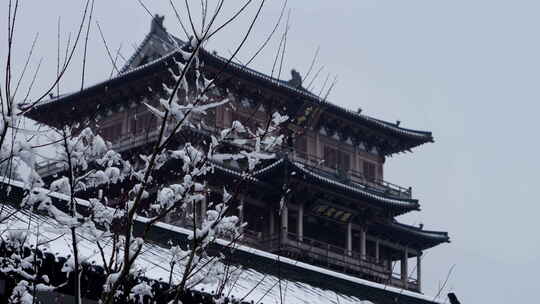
x: 312, y: 62
x: 445, y: 281
x: 86, y: 44
x: 113, y: 61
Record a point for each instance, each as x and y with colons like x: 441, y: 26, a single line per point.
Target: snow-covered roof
x: 300, y: 282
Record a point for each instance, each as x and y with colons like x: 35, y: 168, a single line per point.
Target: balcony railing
x: 330, y: 256
x: 121, y: 144
x: 352, y: 177
x: 315, y: 164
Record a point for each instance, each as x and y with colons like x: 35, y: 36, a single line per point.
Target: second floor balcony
x: 351, y: 177
x: 320, y: 253
x: 313, y: 163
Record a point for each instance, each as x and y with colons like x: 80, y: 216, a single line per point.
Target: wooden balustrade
x: 351, y: 177
x: 328, y: 256
x: 313, y: 163
x: 123, y: 143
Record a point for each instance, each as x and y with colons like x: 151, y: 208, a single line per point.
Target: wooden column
x: 377, y: 254
x: 202, y: 216
x: 300, y: 222
x: 284, y: 221
x: 241, y: 212
x: 271, y: 220
x: 419, y: 270
x: 349, y: 238
x: 405, y: 267
x: 203, y: 208
x: 363, y: 243
x: 318, y: 152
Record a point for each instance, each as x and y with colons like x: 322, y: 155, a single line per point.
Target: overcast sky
x: 466, y: 70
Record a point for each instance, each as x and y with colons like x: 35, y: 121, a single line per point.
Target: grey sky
x: 466, y: 70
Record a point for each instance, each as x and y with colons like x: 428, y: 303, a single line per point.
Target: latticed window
x: 210, y: 118
x: 330, y: 157
x: 143, y: 123
x: 300, y: 146
x: 249, y: 122
x: 344, y: 161
x: 337, y: 159
x: 112, y: 132
x: 369, y: 170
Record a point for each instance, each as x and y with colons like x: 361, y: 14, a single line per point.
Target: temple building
x: 339, y: 219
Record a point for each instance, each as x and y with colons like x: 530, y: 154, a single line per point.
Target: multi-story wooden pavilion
x: 339, y: 213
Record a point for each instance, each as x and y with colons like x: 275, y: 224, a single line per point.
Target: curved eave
x: 411, y: 138
x: 236, y: 174
x: 157, y: 66
x: 419, y: 137
x: 399, y: 205
x: 412, y: 236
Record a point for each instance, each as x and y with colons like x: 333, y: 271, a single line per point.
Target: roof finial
x: 296, y: 79
x: 157, y: 24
